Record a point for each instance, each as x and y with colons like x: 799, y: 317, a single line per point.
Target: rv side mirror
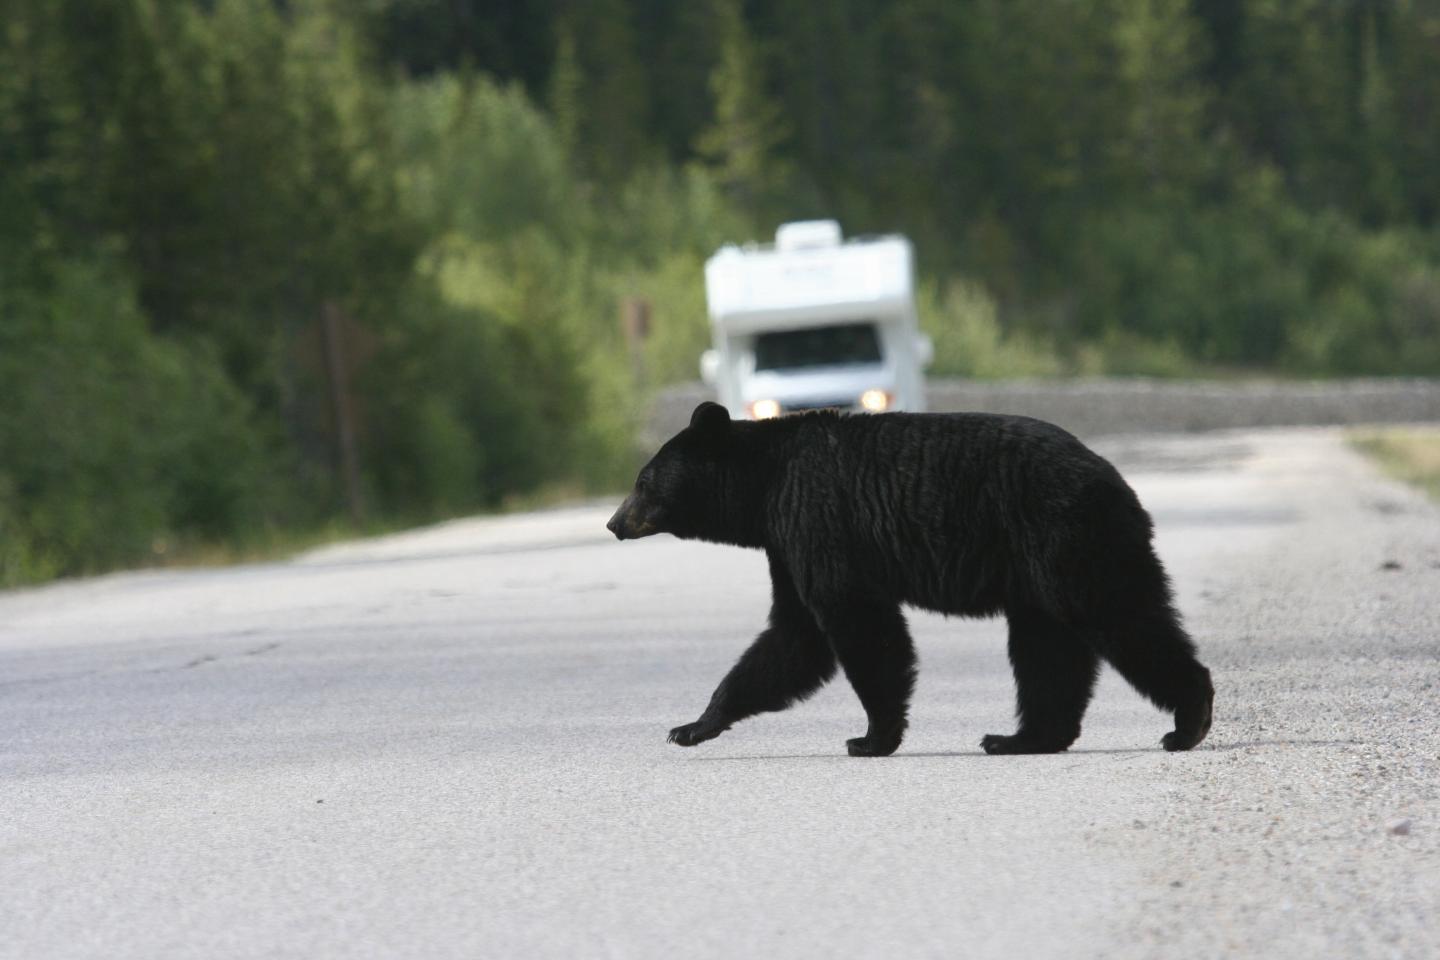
x: 924, y: 349
x: 710, y: 367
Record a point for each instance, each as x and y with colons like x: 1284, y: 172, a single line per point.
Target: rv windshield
x: 838, y: 346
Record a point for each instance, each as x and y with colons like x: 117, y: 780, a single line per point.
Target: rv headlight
x: 876, y: 401
x: 765, y: 409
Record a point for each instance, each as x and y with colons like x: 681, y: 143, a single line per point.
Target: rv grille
x: 847, y: 403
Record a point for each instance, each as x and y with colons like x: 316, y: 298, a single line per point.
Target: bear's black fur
x: 967, y: 514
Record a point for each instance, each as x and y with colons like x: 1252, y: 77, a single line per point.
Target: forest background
x: 205, y: 203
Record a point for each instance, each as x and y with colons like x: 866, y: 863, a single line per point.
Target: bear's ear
x: 709, y: 416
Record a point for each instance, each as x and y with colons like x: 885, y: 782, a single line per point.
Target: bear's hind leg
x: 1055, y: 673
x: 1155, y: 655
x: 874, y: 648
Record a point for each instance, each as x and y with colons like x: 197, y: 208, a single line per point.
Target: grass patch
x: 1411, y: 454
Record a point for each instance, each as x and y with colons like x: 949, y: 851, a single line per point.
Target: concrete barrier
x: 1101, y: 407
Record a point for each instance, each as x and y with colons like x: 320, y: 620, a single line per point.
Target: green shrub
x: 963, y: 321
x: 112, y: 441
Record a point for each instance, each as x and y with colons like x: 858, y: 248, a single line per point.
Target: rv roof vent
x: 807, y: 235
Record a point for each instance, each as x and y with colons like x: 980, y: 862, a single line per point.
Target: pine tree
x: 747, y: 125
x: 1157, y: 42
x: 611, y: 100
x: 565, y: 91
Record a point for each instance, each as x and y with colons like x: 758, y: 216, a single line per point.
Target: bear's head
x: 683, y: 489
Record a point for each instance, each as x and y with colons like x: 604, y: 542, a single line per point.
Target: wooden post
x: 635, y: 324
x: 342, y: 408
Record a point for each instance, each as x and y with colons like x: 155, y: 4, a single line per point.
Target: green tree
x: 612, y: 98
x: 747, y: 127
x: 1163, y: 97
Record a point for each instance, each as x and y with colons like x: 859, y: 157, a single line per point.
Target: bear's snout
x: 633, y: 520
x: 623, y: 524
x: 616, y: 524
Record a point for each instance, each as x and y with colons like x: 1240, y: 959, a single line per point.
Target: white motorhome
x: 814, y: 322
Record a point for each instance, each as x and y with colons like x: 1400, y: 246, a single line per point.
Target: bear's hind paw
x: 1175, y: 741
x: 1192, y: 722
x: 997, y: 744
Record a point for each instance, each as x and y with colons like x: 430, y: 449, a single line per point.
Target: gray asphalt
x: 451, y: 743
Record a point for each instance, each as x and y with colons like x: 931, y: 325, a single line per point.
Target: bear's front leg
x: 790, y: 660
x: 874, y: 648
x: 781, y: 667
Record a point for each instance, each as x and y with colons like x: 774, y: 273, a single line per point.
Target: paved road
x: 452, y: 744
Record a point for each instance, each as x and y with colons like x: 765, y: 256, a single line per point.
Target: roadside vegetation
x: 234, y: 233
x: 1409, y: 454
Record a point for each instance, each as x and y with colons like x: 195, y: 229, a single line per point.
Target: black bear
x: 965, y: 514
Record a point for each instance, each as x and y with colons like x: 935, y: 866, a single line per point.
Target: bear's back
x: 925, y: 461
x: 948, y: 509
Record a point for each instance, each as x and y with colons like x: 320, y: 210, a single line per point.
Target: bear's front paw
x: 875, y: 746
x: 865, y: 747
x: 995, y: 743
x: 689, y: 734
